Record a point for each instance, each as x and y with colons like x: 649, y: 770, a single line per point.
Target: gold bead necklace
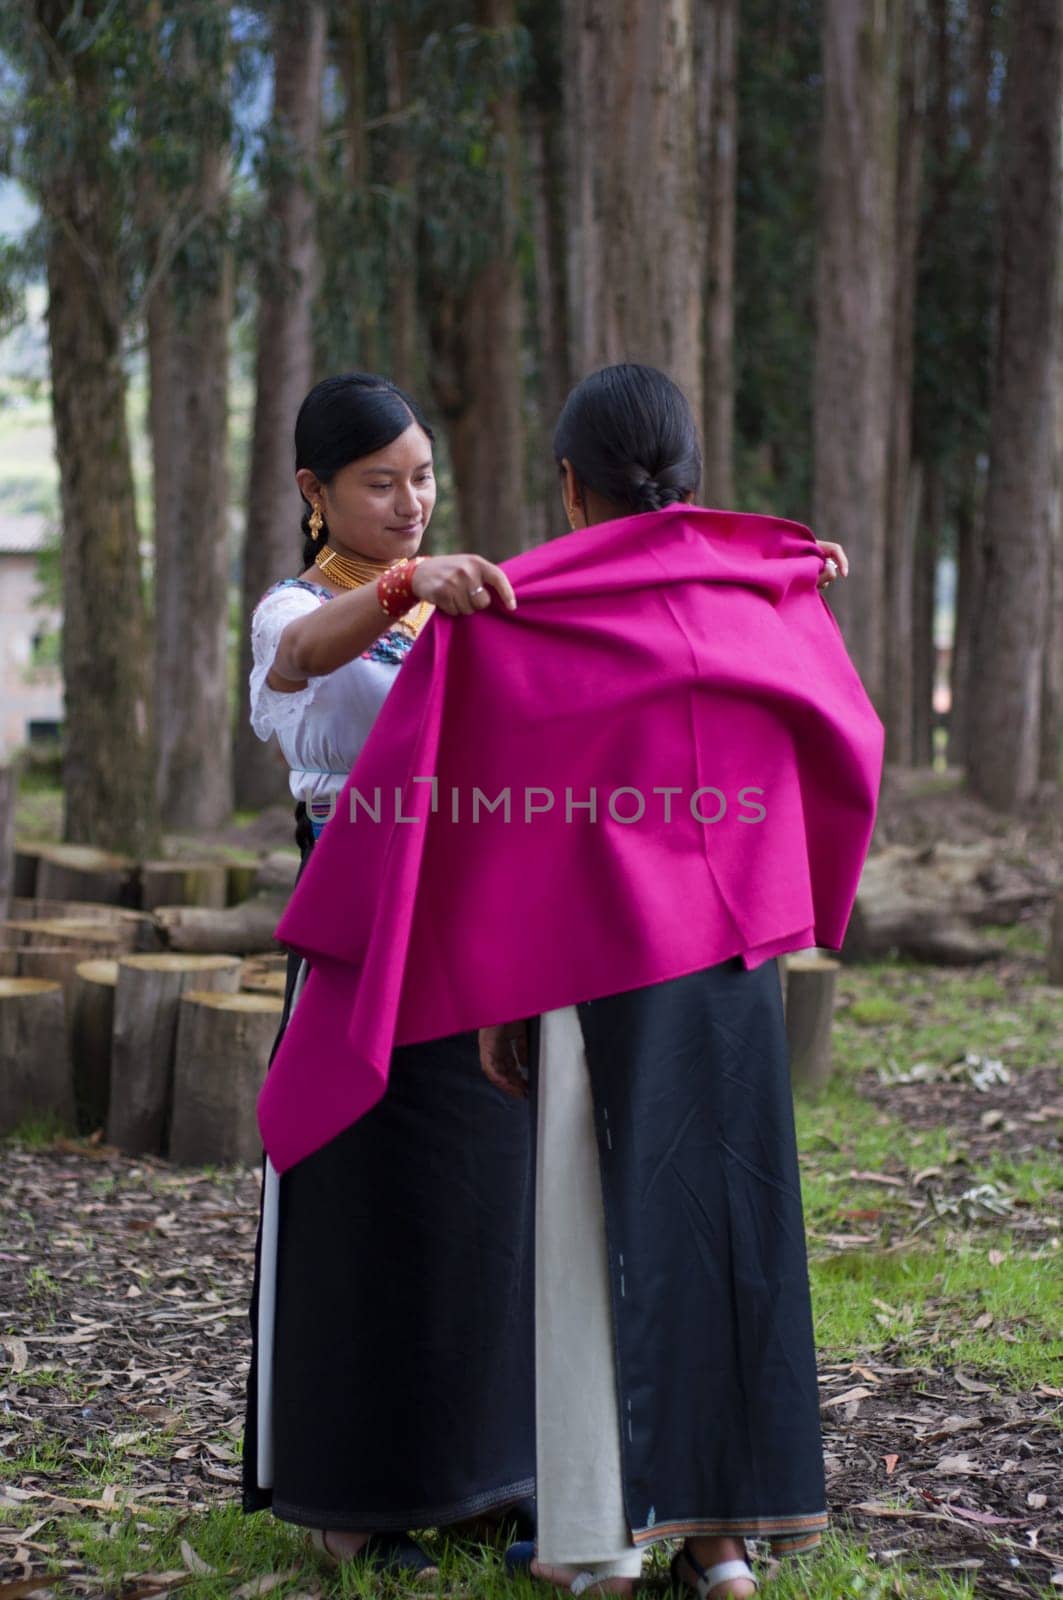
x: 354, y: 572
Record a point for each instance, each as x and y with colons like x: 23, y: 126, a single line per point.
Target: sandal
x: 708, y: 1578
x: 393, y: 1555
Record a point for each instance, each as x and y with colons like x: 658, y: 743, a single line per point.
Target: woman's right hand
x: 458, y: 584
x: 504, y: 1057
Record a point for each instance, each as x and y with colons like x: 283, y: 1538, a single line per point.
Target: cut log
x: 223, y: 1047
x: 89, y: 938
x: 929, y: 902
x: 35, y: 1076
x: 810, y: 985
x: 8, y: 797
x: 137, y: 927
x: 91, y: 1029
x: 264, y: 975
x: 79, y: 872
x: 59, y: 963
x: 246, y: 929
x: 184, y: 883
x: 8, y: 963
x: 1055, y: 942
x: 276, y: 872
x: 145, y: 1030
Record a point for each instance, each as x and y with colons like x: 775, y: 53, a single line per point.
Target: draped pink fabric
x: 682, y: 650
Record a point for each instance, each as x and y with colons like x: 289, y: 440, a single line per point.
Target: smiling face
x: 379, y: 505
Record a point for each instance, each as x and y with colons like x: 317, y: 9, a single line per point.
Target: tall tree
x: 854, y: 298
x: 1008, y: 663
x: 284, y: 364
x: 188, y: 313
x: 634, y: 210
x: 75, y: 61
x: 473, y: 293
x: 904, y: 481
x: 716, y: 69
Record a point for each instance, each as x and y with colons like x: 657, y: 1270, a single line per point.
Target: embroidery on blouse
x: 391, y: 648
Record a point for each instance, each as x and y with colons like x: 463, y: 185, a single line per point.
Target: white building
x: 31, y: 691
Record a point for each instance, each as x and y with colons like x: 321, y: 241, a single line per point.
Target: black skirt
x: 403, y: 1377
x: 716, y: 1372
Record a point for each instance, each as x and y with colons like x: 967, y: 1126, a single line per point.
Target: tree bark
x: 8, y: 799
x: 223, y: 1045
x: 476, y: 338
x: 634, y: 224
x: 716, y: 65
x: 35, y: 1073
x: 284, y: 366
x: 1010, y: 636
x: 924, y: 575
x: 854, y: 300
x: 402, y: 295
x: 107, y: 765
x: 903, y: 508
x: 188, y: 335
x: 146, y: 1004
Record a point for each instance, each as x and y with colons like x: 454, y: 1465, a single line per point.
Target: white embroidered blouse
x: 321, y: 729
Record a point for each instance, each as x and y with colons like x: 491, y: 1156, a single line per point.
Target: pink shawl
x: 679, y: 664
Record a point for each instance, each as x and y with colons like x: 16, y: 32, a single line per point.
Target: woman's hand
x: 458, y: 584
x: 504, y: 1057
x: 835, y: 553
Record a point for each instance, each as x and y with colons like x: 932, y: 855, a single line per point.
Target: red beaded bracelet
x: 394, y: 587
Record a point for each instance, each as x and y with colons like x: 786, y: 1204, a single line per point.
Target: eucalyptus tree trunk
x: 903, y: 509
x: 475, y: 330
x: 1011, y: 638
x: 188, y: 348
x: 854, y: 303
x: 284, y: 366
x: 636, y: 255
x: 716, y: 66
x: 107, y: 766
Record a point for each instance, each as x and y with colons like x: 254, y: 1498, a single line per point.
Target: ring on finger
x: 480, y: 589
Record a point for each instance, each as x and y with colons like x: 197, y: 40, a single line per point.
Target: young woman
x: 675, y: 1369
x: 391, y: 1381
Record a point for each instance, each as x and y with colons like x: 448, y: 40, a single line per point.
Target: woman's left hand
x: 504, y: 1057
x: 835, y: 553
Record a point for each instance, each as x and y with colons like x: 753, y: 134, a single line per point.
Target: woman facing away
x: 391, y: 1380
x: 675, y: 1368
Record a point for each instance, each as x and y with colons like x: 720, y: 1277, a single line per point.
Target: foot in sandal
x: 716, y: 1569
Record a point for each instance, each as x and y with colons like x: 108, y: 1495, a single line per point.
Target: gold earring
x: 316, y: 523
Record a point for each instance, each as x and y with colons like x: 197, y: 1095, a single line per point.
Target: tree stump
x: 89, y: 938
x: 810, y: 985
x: 1055, y: 942
x: 264, y: 975
x: 240, y: 881
x: 8, y: 963
x: 223, y: 1047
x: 79, y: 872
x: 248, y: 929
x: 35, y: 1075
x: 184, y: 883
x: 91, y: 1029
x: 145, y: 1030
x: 137, y: 928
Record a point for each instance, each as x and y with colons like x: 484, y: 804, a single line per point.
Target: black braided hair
x: 343, y: 419
x: 630, y: 437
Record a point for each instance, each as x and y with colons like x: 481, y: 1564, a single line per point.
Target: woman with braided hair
x: 675, y: 1369
x: 401, y: 1247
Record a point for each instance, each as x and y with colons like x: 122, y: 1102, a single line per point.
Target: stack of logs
x: 138, y: 1003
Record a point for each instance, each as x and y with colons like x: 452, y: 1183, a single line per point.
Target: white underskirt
x: 580, y: 1483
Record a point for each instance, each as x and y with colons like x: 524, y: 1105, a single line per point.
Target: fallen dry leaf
x: 891, y: 1464
x: 956, y: 1466
x: 194, y: 1562
x: 263, y: 1585
x: 857, y: 1393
